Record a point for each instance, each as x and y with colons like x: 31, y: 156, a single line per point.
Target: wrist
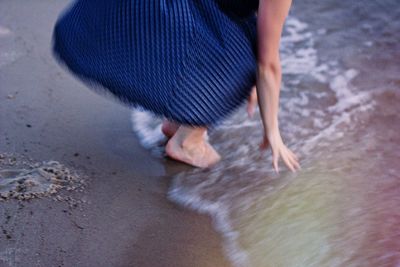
x: 272, y: 129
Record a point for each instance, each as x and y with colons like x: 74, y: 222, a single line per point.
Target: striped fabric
x: 192, y: 61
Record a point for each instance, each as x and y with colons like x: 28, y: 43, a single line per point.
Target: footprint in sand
x: 44, y: 180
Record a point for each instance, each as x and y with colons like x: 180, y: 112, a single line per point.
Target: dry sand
x: 122, y: 216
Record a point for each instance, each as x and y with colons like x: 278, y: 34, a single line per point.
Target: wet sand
x: 122, y: 217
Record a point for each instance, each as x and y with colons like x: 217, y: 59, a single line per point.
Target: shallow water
x: 340, y: 113
x: 11, y: 47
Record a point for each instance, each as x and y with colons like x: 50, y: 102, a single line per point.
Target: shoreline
x: 124, y: 217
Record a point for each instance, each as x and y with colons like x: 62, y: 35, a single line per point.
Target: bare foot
x: 198, y: 154
x: 169, y: 128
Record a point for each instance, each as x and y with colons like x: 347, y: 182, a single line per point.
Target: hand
x: 252, y: 102
x: 279, y: 150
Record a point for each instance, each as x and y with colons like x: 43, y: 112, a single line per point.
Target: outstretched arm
x: 271, y: 16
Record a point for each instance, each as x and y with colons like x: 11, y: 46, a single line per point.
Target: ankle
x: 187, y: 135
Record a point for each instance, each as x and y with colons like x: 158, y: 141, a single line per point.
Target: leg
x: 189, y: 145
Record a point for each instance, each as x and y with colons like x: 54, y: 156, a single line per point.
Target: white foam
x: 220, y: 217
x: 11, y: 48
x: 147, y: 127
x: 214, y: 192
x: 9, y: 57
x: 345, y: 93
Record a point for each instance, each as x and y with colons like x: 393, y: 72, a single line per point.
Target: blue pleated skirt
x: 191, y: 61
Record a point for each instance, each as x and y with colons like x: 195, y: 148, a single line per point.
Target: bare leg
x: 169, y: 128
x: 189, y: 145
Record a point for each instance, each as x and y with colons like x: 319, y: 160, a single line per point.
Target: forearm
x: 270, y: 20
x: 268, y: 91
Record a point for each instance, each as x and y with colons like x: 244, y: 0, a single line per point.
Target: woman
x: 192, y: 61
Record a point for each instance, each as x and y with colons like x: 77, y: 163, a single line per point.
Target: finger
x: 293, y: 158
x: 275, y: 162
x: 294, y: 161
x: 289, y: 164
x: 286, y: 158
x: 293, y: 154
x: 297, y: 165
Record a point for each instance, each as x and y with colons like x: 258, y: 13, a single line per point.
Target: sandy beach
x: 122, y: 216
x: 79, y: 188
